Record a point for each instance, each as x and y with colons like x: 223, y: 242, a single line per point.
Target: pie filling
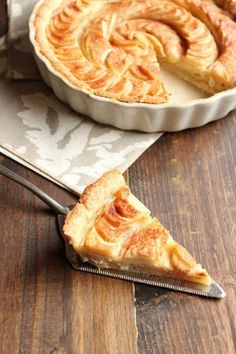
x: 113, y: 48
x: 110, y: 228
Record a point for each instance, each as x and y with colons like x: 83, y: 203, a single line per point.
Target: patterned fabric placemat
x: 43, y: 133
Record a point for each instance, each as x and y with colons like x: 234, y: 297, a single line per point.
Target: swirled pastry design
x: 115, y: 48
x: 111, y: 228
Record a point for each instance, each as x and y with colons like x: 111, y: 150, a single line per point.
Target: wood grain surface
x: 45, y: 306
x: 188, y: 179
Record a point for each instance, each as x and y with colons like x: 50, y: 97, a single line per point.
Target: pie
x: 114, y: 48
x: 111, y: 228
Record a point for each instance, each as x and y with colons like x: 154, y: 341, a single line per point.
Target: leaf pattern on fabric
x: 45, y: 134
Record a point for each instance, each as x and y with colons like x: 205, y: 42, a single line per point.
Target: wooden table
x: 3, y: 18
x: 188, y: 179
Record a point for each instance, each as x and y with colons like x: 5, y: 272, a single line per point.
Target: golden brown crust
x: 76, y: 224
x: 111, y: 228
x: 105, y: 188
x: 184, y: 264
x: 94, y: 198
x: 153, y: 245
x: 180, y: 259
x: 148, y: 241
x: 117, y: 220
x: 113, y: 49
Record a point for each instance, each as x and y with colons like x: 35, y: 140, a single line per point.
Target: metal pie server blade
x: 212, y: 291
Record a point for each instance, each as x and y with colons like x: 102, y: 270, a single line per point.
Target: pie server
x: 213, y: 290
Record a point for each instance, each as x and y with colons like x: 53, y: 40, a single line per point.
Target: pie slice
x: 111, y: 228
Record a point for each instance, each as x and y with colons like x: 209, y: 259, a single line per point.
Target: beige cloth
x: 39, y: 131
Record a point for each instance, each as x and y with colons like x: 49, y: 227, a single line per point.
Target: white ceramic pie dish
x: 188, y: 108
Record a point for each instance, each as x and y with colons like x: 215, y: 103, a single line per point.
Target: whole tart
x: 111, y: 228
x: 115, y: 48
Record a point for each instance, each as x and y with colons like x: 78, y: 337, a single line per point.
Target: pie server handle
x: 52, y: 203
